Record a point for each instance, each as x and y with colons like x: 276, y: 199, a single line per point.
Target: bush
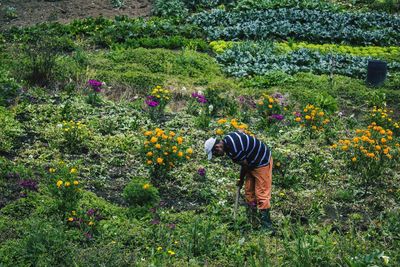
x: 170, y: 8
x: 10, y: 130
x: 140, y: 193
x: 9, y: 89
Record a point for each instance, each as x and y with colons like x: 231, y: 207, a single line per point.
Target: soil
x: 30, y: 12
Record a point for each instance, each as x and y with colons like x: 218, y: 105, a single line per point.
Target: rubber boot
x: 252, y: 216
x: 266, y: 223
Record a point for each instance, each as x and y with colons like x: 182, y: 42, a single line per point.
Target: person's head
x: 214, y: 147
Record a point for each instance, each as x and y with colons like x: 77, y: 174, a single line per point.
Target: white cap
x: 208, y: 146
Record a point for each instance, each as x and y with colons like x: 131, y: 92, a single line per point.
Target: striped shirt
x: 240, y: 146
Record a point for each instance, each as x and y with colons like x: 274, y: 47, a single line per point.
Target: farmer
x: 256, y: 165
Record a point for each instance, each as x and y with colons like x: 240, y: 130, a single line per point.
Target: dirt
x: 30, y: 12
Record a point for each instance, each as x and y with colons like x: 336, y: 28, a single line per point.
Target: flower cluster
x: 313, y: 118
x: 86, y: 221
x: 225, y: 126
x: 270, y: 108
x: 200, y: 98
x: 157, y: 100
x: 384, y: 118
x: 74, y: 133
x: 164, y: 150
x: 95, y: 85
x: 65, y: 186
x: 374, y: 143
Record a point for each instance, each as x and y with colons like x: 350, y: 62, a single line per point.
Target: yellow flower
x: 298, y: 119
x: 219, y: 132
x: 59, y: 183
x: 52, y: 170
x: 308, y: 117
x: 281, y: 194
x: 189, y: 151
x: 147, y: 133
x: 271, y: 100
x: 187, y: 157
x: 76, y: 182
x: 314, y: 127
x: 160, y: 160
x: 73, y: 170
x: 261, y: 103
x: 269, y: 106
x: 321, y: 113
x: 383, y: 140
x: 70, y: 219
x: 345, y: 148
x: 377, y: 148
x: 158, y: 146
x: 278, y: 164
x: 172, y: 134
x: 354, y: 159
x: 67, y: 184
x: 179, y: 140
x: 382, y: 131
x: 171, y: 253
x: 180, y: 154
x: 159, y: 248
x: 90, y: 223
x: 146, y: 186
x: 334, y: 146
x: 149, y: 154
x: 154, y: 139
x: 221, y: 121
x: 149, y: 162
x: 164, y: 137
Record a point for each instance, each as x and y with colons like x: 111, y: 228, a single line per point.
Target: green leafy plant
x: 11, y: 129
x: 65, y: 187
x: 141, y: 193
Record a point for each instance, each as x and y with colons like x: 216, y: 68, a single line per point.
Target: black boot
x: 252, y: 216
x: 266, y: 223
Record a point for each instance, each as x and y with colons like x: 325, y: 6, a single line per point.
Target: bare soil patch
x: 30, y: 12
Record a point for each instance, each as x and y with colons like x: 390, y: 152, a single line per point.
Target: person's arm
x: 243, y: 171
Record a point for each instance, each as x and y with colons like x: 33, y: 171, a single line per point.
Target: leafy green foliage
x: 140, y: 192
x: 309, y: 25
x: 9, y: 89
x: 11, y: 129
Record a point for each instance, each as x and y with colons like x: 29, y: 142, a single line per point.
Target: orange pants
x: 258, y: 186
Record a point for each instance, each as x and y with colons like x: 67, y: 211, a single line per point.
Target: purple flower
x: 155, y: 222
x: 151, y: 102
x: 200, y: 98
x: 90, y: 212
x: 88, y: 235
x: 201, y: 171
x: 29, y: 184
x: 297, y: 114
x: 171, y: 226
x: 96, y: 85
x: 277, y: 117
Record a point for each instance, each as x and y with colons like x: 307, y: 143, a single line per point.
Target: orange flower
x: 160, y: 160
x: 179, y: 140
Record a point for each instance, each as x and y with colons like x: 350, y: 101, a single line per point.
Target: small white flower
x: 385, y: 260
x: 211, y: 108
x: 59, y: 125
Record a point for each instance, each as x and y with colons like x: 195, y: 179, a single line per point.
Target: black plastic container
x: 377, y: 71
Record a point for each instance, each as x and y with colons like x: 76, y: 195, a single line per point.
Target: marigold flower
x: 164, y: 137
x: 52, y: 170
x: 383, y: 140
x: 189, y: 151
x: 377, y: 148
x: 321, y: 113
x: 382, y: 131
x: 154, y: 139
x: 308, y: 117
x: 221, y: 121
x: 171, y: 253
x: 180, y: 154
x: 219, y: 132
x: 345, y: 148
x: 146, y: 186
x: 149, y: 154
x: 76, y: 182
x: 67, y: 184
x: 158, y: 146
x: 314, y: 127
x: 147, y: 133
x: 269, y: 106
x: 160, y: 160
x: 271, y: 100
x: 73, y: 170
x: 59, y: 183
x: 149, y: 162
x: 298, y: 119
x: 70, y: 219
x: 179, y: 140
x: 354, y: 159
x: 334, y: 146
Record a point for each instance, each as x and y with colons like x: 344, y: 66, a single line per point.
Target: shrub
x: 74, y: 136
x: 164, y: 150
x: 65, y: 187
x: 140, y: 192
x: 170, y: 8
x: 313, y: 119
x: 10, y: 130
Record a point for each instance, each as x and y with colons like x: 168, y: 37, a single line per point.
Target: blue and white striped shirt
x: 240, y: 146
